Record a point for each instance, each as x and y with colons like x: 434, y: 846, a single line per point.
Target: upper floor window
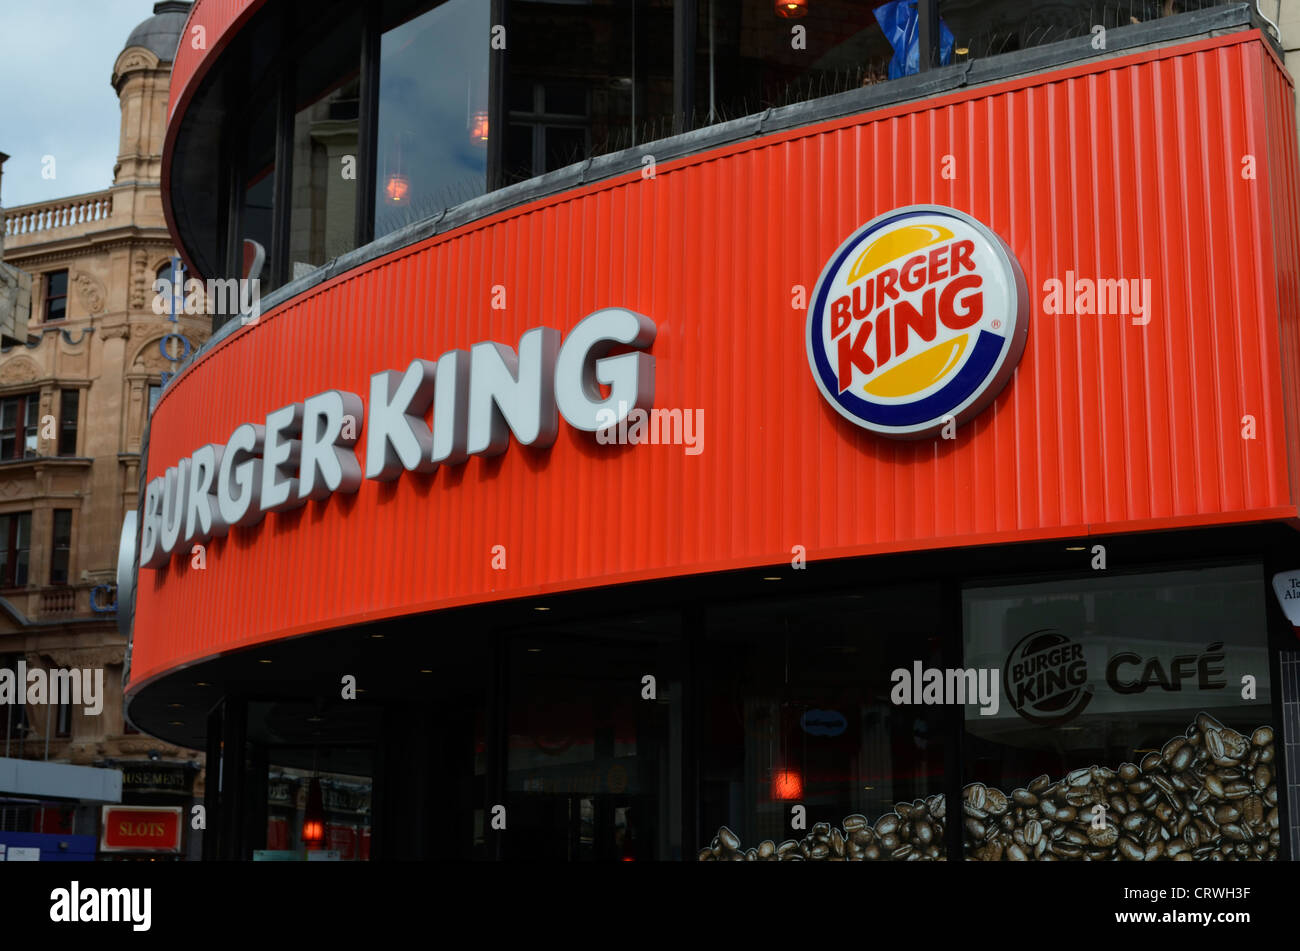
x: 69, y: 405
x: 548, y: 128
x: 326, y: 91
x: 15, y: 548
x: 56, y: 295
x: 155, y: 391
x: 19, y: 425
x: 176, y: 281
x: 61, y: 547
x: 13, y: 716
x: 432, y: 142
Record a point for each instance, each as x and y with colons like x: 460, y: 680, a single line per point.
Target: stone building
x: 75, y: 393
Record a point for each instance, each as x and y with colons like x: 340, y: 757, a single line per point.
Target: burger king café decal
x: 917, y: 322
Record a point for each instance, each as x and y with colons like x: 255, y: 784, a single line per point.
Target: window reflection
x: 310, y: 770
x: 433, y: 113
x: 585, y: 79
x: 257, y: 197
x: 344, y: 818
x: 327, y: 98
x: 590, y: 759
x: 984, y: 28
x: 748, y: 59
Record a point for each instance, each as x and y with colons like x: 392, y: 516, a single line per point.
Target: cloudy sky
x: 56, y: 59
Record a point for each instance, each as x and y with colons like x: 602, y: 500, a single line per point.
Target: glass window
x: 56, y: 295
x: 61, y: 547
x: 585, y: 79
x: 155, y: 391
x: 336, y: 816
x: 15, y: 548
x: 13, y: 716
x: 174, y: 275
x: 327, y: 98
x: 798, y: 711
x: 590, y: 757
x: 551, y: 132
x: 258, y: 194
x: 981, y: 28
x: 1125, y: 693
x: 69, y: 404
x: 311, y: 795
x: 749, y: 59
x: 19, y: 425
x: 433, y: 113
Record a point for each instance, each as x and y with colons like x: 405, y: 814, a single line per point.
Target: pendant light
x: 397, y: 187
x: 313, y: 819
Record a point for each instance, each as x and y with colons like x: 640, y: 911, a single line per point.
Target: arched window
x: 176, y: 280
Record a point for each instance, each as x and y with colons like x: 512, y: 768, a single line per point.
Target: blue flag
x: 901, y: 25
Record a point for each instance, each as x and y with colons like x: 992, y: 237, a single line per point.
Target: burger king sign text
x: 918, y: 319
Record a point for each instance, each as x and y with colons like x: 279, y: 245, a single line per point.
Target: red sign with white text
x: 141, y: 829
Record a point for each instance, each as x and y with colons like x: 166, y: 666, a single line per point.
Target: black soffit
x: 389, y: 658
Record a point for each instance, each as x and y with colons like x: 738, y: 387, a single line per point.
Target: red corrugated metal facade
x: 1129, y: 167
x: 209, y: 25
x: 1284, y: 204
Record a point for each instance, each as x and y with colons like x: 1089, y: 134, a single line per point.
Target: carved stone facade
x: 91, y: 292
x: 89, y: 377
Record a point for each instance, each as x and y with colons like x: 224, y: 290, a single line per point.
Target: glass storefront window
x: 346, y: 826
x: 293, y: 746
x: 1134, y: 719
x: 798, y: 712
x: 593, y: 763
x: 322, y: 222
x: 433, y: 113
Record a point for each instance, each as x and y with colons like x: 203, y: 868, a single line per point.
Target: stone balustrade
x: 60, y: 213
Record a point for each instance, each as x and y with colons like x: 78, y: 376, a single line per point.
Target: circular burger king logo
x: 919, y: 317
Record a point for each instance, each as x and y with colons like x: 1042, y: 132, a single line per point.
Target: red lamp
x: 791, y: 9
x: 313, y: 820
x: 787, y: 784
x: 479, y: 127
x: 397, y: 189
